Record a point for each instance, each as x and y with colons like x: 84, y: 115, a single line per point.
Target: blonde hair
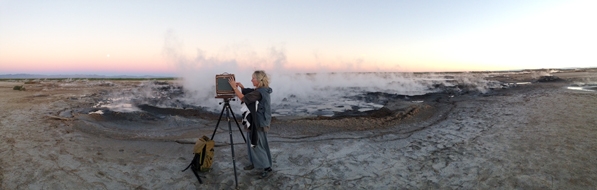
x: 262, y: 78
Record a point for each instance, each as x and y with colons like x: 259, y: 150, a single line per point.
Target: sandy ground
x: 534, y: 136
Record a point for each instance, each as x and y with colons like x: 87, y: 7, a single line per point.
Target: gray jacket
x: 264, y: 113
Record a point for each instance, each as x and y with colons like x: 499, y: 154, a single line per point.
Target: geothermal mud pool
x: 514, y: 130
x: 162, y: 110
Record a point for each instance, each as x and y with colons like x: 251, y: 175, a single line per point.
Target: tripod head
x: 226, y: 98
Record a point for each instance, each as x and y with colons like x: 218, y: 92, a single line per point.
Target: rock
x: 548, y: 79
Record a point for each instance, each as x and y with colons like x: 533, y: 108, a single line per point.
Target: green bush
x: 21, y: 88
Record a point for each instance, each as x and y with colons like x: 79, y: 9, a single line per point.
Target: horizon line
x: 149, y: 75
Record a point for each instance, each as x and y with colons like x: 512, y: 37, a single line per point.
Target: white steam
x: 293, y: 88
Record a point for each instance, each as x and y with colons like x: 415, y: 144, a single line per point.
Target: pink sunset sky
x: 165, y: 37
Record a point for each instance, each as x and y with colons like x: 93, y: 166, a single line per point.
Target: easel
x: 228, y: 110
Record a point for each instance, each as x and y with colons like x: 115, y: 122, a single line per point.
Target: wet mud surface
x: 158, y: 117
x: 527, y: 132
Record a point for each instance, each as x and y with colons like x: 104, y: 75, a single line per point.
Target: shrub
x: 19, y: 88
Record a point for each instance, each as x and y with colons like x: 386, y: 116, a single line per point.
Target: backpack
x: 204, y: 153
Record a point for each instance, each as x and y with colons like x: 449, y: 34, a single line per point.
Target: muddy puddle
x: 583, y: 87
x: 160, y: 110
x: 166, y: 110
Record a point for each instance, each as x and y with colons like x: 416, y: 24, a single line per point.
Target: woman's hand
x: 235, y: 86
x: 240, y: 85
x: 233, y: 83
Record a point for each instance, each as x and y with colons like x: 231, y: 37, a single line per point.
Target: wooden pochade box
x: 223, y: 88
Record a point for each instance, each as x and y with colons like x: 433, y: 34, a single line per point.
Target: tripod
x: 228, y: 112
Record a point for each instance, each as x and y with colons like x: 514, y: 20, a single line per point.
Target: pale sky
x: 155, y: 37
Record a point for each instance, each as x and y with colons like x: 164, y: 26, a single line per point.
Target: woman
x: 259, y: 155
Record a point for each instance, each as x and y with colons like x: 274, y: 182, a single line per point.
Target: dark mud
x: 529, y: 135
x: 162, y: 116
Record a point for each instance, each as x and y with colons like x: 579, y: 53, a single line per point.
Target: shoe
x: 249, y: 167
x: 265, y: 173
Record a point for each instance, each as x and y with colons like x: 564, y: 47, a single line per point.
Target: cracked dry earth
x: 536, y: 136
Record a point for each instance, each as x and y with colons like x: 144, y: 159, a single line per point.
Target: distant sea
x: 39, y: 76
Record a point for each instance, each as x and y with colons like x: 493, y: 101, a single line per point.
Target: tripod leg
x: 221, y: 113
x: 197, y: 175
x: 231, y: 142
x: 237, y: 125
